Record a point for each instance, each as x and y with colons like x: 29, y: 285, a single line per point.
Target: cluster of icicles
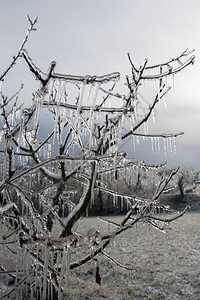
x: 83, y: 119
x: 37, y: 269
x: 24, y: 269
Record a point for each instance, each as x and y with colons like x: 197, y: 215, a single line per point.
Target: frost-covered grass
x: 166, y: 265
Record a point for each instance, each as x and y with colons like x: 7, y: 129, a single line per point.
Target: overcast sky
x: 93, y: 37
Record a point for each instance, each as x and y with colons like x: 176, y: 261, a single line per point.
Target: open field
x: 167, y: 266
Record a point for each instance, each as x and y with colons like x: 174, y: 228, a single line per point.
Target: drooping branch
x: 162, y: 135
x: 170, y: 71
x: 116, y: 262
x: 177, y: 59
x: 168, y: 64
x: 171, y: 219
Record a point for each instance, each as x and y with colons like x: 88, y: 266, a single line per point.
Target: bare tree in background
x: 42, y: 178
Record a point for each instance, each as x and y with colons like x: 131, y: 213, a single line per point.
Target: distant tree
x: 87, y: 122
x: 185, y: 181
x: 181, y: 185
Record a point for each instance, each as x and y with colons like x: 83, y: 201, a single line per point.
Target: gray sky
x: 93, y: 37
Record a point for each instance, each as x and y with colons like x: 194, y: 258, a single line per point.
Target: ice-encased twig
x: 87, y: 79
x: 8, y: 207
x: 30, y: 29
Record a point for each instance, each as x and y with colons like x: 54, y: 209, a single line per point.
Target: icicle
x: 63, y: 118
x: 39, y: 97
x: 114, y: 138
x: 121, y: 127
x: 170, y: 144
x: 118, y: 138
x: 158, y: 88
x: 65, y: 98
x: 80, y: 102
x: 32, y: 288
x: 13, y: 116
x: 135, y: 112
x: 167, y: 144
x: 18, y: 263
x: 134, y: 145
x: 165, y: 147
x: 27, y: 260
x: 1, y: 135
x: 114, y: 200
x: 155, y: 145
x: 68, y: 265
x: 158, y: 144
x: 50, y: 89
x: 122, y: 101
x: 174, y: 144
x: 173, y: 83
x: 137, y: 139
x: 78, y: 119
x: 18, y: 114
x: 21, y: 133
x: 122, y: 203
x: 132, y: 121
x: 60, y: 90
x: 124, y: 167
x: 63, y: 210
x: 56, y: 125
x: 62, y: 271
x: 91, y: 116
x: 145, y: 129
x: 152, y: 144
x: 89, y: 94
x: 45, y: 271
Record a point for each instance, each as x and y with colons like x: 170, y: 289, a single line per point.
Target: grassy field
x: 166, y: 266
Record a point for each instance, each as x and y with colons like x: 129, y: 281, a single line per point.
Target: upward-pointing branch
x: 30, y: 29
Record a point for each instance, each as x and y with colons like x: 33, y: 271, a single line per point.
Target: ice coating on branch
x: 38, y: 100
x: 88, y: 79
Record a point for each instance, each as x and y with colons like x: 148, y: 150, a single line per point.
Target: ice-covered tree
x: 50, y: 175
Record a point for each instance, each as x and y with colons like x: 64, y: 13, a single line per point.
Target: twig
x: 168, y: 220
x: 109, y: 222
x: 117, y: 263
x: 30, y: 29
